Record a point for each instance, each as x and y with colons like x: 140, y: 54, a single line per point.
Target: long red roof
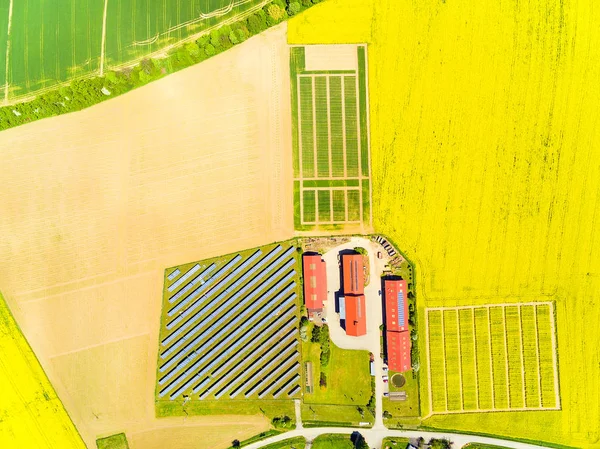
x: 398, y: 351
x: 396, y: 305
x: 356, y: 315
x: 353, y: 274
x: 315, y: 282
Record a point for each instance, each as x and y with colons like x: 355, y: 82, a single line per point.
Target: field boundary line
x: 537, y: 355
x: 491, y: 359
x: 367, y: 112
x: 7, y: 55
x: 522, y: 358
x: 430, y: 389
x: 487, y: 410
x: 554, y: 356
x: 358, y: 145
x: 300, y: 149
x: 476, y: 367
x: 346, y: 205
x: 460, y: 358
x: 508, y: 401
x: 103, y: 42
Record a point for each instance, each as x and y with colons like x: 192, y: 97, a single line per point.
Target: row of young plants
x: 82, y: 93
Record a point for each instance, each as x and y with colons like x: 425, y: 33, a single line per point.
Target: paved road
x: 370, y: 341
x: 375, y: 436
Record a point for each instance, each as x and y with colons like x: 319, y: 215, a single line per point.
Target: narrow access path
x: 298, y: 410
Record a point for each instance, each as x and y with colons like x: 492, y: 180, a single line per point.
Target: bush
x: 316, y: 334
x: 210, y: 50
x: 325, y: 355
x: 282, y: 422
x: 294, y: 8
x: 323, y: 380
x: 361, y: 251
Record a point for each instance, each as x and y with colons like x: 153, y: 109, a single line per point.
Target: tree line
x: 85, y: 92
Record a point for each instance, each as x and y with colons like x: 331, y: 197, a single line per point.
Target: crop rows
x: 491, y: 358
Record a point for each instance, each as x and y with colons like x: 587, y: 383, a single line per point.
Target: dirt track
x: 95, y: 205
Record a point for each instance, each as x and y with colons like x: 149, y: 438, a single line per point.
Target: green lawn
x: 403, y: 409
x: 482, y: 446
x: 348, y: 378
x: 394, y: 443
x: 269, y: 408
x: 333, y: 441
x: 118, y: 441
x: 290, y: 443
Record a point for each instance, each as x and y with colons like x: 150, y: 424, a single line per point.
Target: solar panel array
x: 401, y: 316
x: 231, y: 328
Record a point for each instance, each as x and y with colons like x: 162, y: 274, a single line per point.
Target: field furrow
x: 530, y: 356
x: 436, y: 360
x: 498, y: 357
x: 544, y: 326
x: 453, y: 377
x: 483, y: 351
x: 514, y: 347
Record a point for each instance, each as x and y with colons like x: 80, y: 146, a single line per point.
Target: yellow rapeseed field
x: 31, y: 415
x: 485, y: 143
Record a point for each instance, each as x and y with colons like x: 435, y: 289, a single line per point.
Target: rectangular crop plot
x: 232, y: 331
x: 492, y: 358
x: 331, y: 145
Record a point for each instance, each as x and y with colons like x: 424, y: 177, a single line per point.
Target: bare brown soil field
x: 95, y: 205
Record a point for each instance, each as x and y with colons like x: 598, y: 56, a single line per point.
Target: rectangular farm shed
x: 315, y: 282
x: 396, y: 305
x: 398, y: 351
x: 353, y: 274
x: 356, y: 315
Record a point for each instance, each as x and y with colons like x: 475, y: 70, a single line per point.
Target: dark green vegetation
x: 337, y: 441
x: 482, y: 446
x: 118, y: 441
x: 290, y: 443
x: 85, y: 92
x: 254, y: 439
x: 330, y: 144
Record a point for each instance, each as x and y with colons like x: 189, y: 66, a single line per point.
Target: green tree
x: 294, y: 8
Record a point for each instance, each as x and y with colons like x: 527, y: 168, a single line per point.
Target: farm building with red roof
x: 396, y: 305
x: 356, y: 316
x: 315, y: 282
x: 353, y: 274
x: 398, y: 351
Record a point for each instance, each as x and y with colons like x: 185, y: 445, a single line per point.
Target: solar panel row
x: 251, y: 331
x: 401, y: 316
x: 286, y: 365
x: 294, y: 390
x: 183, y: 278
x: 286, y: 385
x: 173, y: 274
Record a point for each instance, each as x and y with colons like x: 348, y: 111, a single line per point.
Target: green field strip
x: 351, y: 121
x: 307, y: 128
x: 453, y: 375
x: 514, y: 347
x: 339, y: 205
x: 482, y: 351
x: 467, y: 359
x: 362, y: 95
x: 296, y: 64
x: 297, y: 205
x: 312, y: 183
x: 436, y: 361
x: 337, y: 131
x: 309, y: 206
x: 498, y: 357
x: 322, y: 119
x: 50, y: 51
x: 328, y: 72
x: 366, y: 201
x: 4, y: 7
x: 530, y: 357
x: 546, y: 359
x: 324, y: 200
x: 353, y: 205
